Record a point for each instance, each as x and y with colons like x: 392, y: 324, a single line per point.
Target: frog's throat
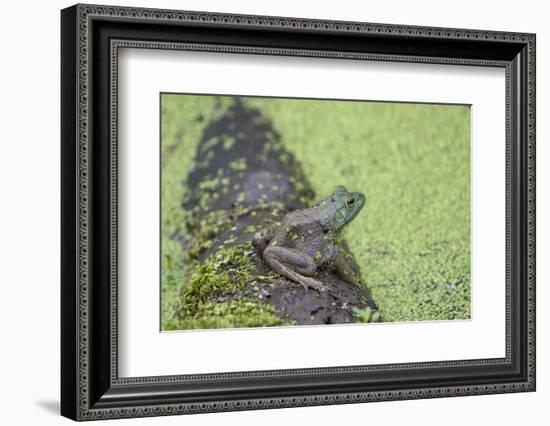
x: 339, y: 217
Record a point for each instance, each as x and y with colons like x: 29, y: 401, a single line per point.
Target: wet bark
x: 243, y: 180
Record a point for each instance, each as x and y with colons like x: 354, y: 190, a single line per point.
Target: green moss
x: 226, y: 272
x: 206, y: 229
x: 241, y: 197
x: 250, y: 229
x: 203, y: 301
x: 209, y: 144
x: 366, y: 315
x: 238, y: 165
x: 241, y: 313
x: 228, y: 142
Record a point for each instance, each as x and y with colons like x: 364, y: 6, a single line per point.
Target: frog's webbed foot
x: 308, y: 282
x: 293, y: 264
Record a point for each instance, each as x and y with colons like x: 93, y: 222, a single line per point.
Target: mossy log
x: 242, y: 180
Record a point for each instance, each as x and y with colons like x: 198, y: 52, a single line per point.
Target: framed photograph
x: 263, y: 212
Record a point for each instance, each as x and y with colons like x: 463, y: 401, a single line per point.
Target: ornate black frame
x: 91, y: 37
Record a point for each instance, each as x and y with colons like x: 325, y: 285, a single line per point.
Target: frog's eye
x: 350, y: 202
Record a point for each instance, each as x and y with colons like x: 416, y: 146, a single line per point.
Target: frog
x: 308, y: 238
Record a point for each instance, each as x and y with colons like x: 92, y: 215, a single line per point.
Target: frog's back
x: 301, y: 231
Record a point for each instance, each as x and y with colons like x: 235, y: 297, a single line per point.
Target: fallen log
x: 243, y: 180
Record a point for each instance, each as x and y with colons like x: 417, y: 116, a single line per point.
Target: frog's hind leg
x: 293, y: 264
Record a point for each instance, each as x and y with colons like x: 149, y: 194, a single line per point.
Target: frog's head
x: 345, y: 205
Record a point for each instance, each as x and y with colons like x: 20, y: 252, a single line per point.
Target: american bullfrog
x: 308, y: 238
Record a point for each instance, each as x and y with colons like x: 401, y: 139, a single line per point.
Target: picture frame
x: 91, y: 387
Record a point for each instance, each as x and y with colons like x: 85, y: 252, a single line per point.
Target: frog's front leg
x: 344, y: 266
x: 293, y: 264
x: 262, y: 237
